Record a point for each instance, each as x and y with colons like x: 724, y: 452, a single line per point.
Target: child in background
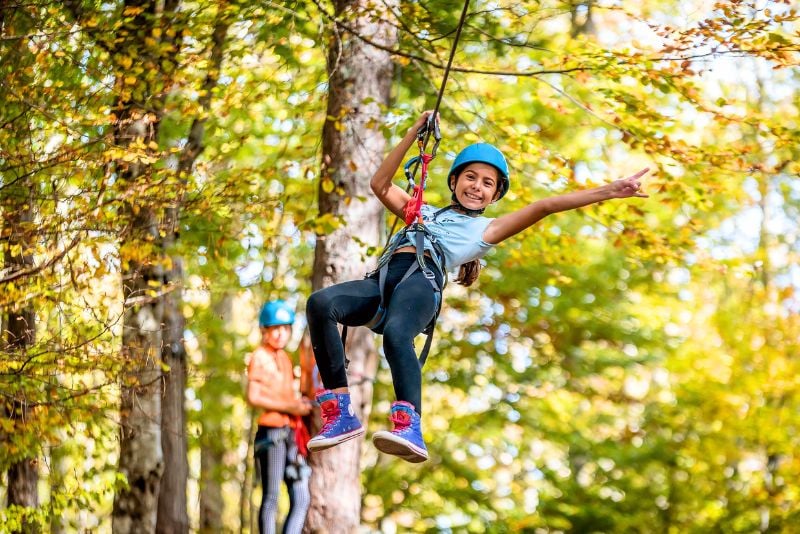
x: 279, y: 445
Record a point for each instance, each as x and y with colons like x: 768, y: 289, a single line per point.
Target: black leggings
x: 279, y: 460
x: 411, y: 306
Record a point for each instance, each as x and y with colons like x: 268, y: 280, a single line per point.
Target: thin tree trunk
x: 20, y: 333
x: 212, y: 448
x: 581, y: 19
x: 59, y: 468
x: 352, y: 148
x: 211, y: 502
x: 172, y: 514
x: 141, y: 457
x: 23, y: 476
x: 18, y: 321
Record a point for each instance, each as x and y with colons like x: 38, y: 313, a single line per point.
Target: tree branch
x: 21, y: 273
x: 438, y: 65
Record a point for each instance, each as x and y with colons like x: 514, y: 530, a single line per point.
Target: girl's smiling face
x: 476, y: 186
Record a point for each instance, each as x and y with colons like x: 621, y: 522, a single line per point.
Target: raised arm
x: 511, y: 224
x: 390, y: 195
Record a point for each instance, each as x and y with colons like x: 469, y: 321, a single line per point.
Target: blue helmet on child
x: 275, y: 313
x: 482, y: 153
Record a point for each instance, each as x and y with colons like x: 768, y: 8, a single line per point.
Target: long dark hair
x: 468, y: 273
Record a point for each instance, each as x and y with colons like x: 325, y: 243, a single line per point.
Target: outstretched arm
x: 511, y: 224
x: 390, y: 195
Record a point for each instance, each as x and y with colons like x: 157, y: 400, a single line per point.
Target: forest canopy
x: 165, y: 169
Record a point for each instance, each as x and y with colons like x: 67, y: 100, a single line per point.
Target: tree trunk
x: 19, y: 234
x: 141, y: 457
x: 211, y: 501
x: 153, y: 434
x: 581, y: 19
x: 352, y: 149
x: 23, y: 475
x: 172, y: 515
x: 59, y: 471
x: 20, y: 333
x: 212, y: 448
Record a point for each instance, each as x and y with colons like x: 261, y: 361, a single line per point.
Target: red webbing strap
x: 413, y: 209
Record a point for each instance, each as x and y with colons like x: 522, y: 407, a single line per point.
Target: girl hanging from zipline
x: 401, y: 298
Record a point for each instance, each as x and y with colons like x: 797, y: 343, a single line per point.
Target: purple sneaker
x: 339, y: 423
x: 405, y: 440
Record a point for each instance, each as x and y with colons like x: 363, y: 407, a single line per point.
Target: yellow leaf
x: 327, y: 185
x: 131, y: 11
x: 125, y: 62
x: 326, y: 224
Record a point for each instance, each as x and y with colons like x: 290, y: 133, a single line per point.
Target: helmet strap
x: 467, y: 211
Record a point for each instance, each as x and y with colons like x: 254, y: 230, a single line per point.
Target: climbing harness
x: 414, y: 221
x: 377, y: 322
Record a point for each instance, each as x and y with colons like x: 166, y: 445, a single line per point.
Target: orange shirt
x: 273, y: 371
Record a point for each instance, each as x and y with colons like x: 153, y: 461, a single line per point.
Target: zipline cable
x: 449, y: 64
x: 432, y: 125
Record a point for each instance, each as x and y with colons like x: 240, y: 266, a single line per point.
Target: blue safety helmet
x: 482, y: 153
x: 275, y: 313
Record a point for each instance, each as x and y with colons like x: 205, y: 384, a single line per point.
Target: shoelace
x: 330, y: 411
x: 401, y: 420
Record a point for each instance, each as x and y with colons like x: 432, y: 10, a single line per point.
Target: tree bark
x: 581, y: 19
x: 59, y: 469
x: 212, y: 448
x: 211, y: 502
x: 352, y: 148
x: 18, y: 230
x: 141, y: 458
x: 141, y: 455
x: 172, y: 514
x: 20, y: 332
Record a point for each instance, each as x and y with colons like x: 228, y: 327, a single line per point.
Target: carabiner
x: 437, y: 135
x: 408, y: 172
x: 431, y: 126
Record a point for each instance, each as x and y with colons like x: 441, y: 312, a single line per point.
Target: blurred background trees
x: 164, y: 169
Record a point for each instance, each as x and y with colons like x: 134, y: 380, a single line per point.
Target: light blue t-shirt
x: 459, y: 236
